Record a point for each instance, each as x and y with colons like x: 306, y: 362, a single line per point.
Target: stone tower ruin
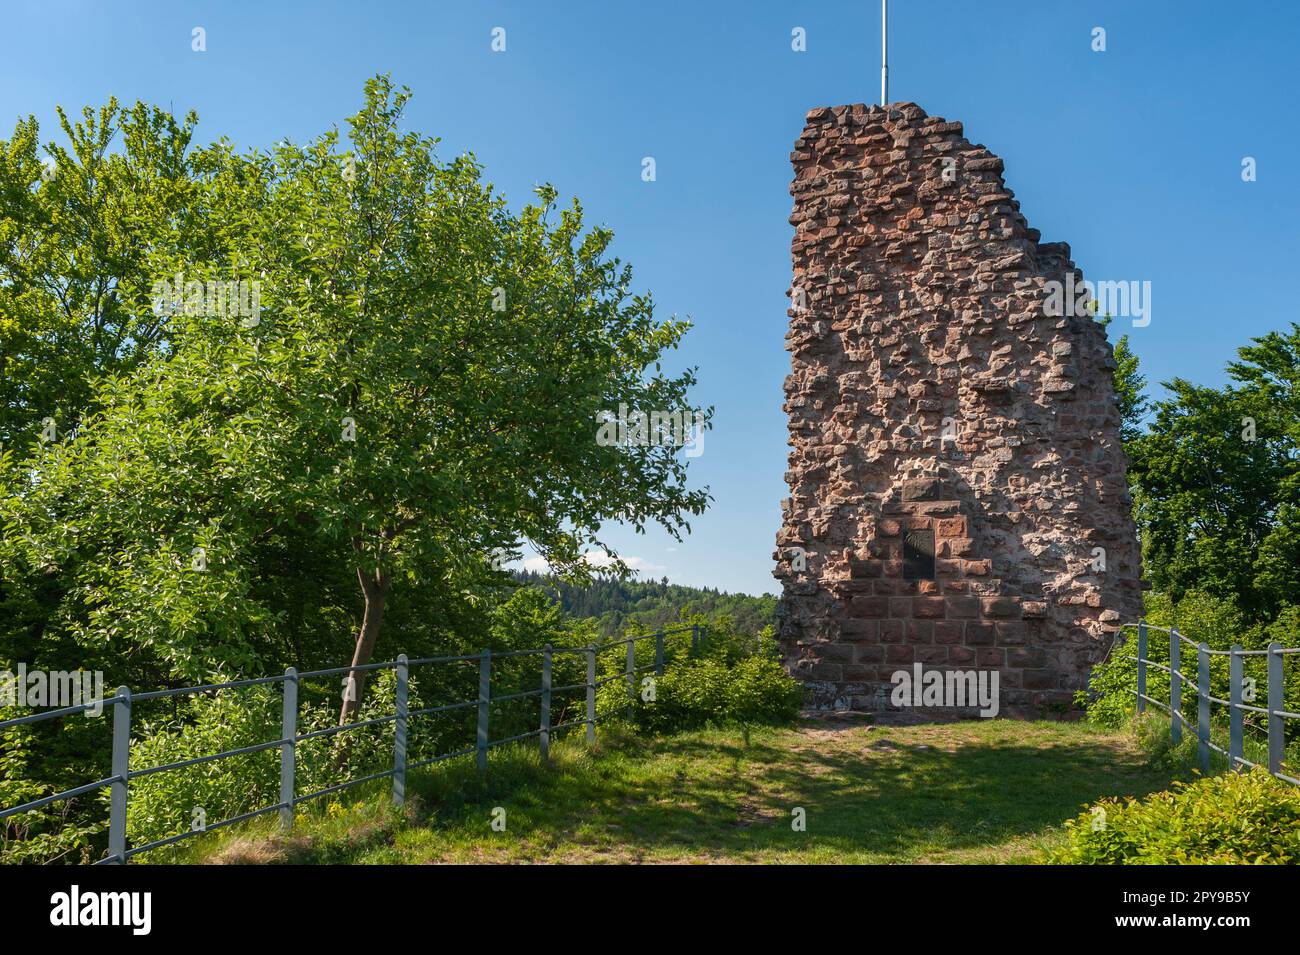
x: 957, y: 484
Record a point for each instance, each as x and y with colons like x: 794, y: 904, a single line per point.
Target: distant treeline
x: 615, y: 604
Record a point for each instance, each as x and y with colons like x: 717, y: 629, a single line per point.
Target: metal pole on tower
x: 884, y: 52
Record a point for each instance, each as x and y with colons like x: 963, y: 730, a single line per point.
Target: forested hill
x: 614, y: 604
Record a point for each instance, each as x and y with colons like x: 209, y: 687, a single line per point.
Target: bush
x: 168, y: 803
x: 164, y: 804
x: 61, y: 831
x: 1203, y: 619
x: 1233, y: 818
x: 695, y: 692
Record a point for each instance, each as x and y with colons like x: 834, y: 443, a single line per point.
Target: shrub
x: 61, y: 831
x: 696, y: 692
x: 164, y: 804
x: 1233, y: 818
x: 168, y: 803
x: 760, y: 691
x: 1201, y: 618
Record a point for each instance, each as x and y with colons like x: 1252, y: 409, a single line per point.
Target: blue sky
x: 1133, y: 156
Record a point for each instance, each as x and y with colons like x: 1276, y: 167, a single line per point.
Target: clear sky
x: 1132, y: 155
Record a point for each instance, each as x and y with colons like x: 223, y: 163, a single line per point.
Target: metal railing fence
x: 1275, y: 710
x: 121, y: 703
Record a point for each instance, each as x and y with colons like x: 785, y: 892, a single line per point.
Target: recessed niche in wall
x: 918, y: 555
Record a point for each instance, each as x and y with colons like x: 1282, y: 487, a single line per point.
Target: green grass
x: 987, y: 791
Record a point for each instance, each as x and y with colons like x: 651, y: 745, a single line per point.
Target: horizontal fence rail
x: 1237, y: 704
x: 120, y: 703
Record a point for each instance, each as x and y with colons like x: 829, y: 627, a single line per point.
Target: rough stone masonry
x: 957, y: 484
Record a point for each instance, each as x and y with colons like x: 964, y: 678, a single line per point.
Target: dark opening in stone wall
x: 918, y: 555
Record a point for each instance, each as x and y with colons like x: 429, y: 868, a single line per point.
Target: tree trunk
x: 375, y: 588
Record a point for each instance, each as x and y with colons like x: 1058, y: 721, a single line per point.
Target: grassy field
x: 987, y: 791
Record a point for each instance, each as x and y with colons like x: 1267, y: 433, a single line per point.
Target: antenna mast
x: 884, y: 52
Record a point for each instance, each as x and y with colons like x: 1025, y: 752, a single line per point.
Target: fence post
x: 1203, y: 704
x: 546, y: 703
x: 591, y: 693
x: 1235, y: 715
x: 484, y: 698
x: 1142, y: 666
x: 399, y: 731
x: 288, y: 746
x: 1175, y: 688
x: 1276, y: 726
x: 631, y: 674
x: 659, y: 653
x: 121, y: 769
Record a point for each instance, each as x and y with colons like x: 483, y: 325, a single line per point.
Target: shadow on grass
x: 704, y: 794
x: 983, y: 791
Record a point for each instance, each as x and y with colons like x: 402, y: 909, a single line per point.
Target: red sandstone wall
x: 917, y: 299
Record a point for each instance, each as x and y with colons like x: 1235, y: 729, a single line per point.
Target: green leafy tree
x: 1269, y: 373
x: 79, y: 229
x: 1216, y: 483
x: 649, y: 605
x: 1130, y: 386
x: 421, y: 388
